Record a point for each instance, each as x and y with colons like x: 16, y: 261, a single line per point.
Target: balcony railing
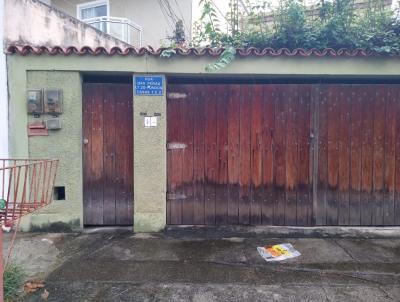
x: 121, y: 28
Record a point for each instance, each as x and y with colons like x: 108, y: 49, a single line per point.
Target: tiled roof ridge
x: 241, y: 52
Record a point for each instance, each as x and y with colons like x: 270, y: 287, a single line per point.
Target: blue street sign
x: 149, y: 85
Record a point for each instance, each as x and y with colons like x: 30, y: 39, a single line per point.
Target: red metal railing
x: 25, y: 186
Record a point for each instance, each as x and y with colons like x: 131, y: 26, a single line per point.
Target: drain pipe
x: 3, y: 91
x: 3, y: 127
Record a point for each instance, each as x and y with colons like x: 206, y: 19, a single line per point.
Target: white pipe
x: 4, y: 148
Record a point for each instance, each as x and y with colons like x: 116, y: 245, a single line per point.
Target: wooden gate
x: 358, y: 155
x: 108, y: 154
x: 287, y: 154
x: 239, y: 154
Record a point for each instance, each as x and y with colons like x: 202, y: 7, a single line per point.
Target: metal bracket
x: 173, y: 196
x: 174, y: 146
x: 177, y: 95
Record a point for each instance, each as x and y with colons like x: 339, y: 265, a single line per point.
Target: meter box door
x: 53, y: 102
x: 35, y: 102
x: 53, y: 123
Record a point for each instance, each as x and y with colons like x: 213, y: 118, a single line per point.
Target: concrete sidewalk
x: 120, y: 266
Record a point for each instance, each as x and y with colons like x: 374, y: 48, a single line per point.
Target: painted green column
x: 64, y: 144
x: 150, y: 172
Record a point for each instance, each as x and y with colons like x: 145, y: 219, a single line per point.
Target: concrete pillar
x: 150, y: 166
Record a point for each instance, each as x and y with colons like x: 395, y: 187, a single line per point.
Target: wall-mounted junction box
x: 53, y: 124
x: 35, y: 102
x: 53, y: 102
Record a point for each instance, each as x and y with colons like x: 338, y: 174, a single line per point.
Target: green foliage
x: 167, y: 53
x: 224, y: 60
x: 208, y: 25
x: 291, y: 24
x: 13, y: 281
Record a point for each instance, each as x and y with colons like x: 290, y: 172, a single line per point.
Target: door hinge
x: 174, y: 146
x: 174, y: 196
x: 177, y: 95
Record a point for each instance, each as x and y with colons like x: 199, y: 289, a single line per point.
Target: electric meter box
x: 53, y: 102
x: 35, y: 102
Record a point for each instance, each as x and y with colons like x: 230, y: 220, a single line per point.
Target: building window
x: 91, y: 12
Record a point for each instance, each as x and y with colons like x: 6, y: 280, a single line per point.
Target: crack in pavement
x: 326, y: 294
x: 301, y: 269
x: 385, y: 292
x: 345, y: 250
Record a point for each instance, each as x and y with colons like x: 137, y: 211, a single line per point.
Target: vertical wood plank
x: 390, y: 158
x: 245, y: 160
x: 124, y: 154
x: 199, y: 99
x: 256, y: 155
x: 344, y: 154
x: 97, y: 172
x: 280, y: 154
x: 333, y: 160
x: 109, y: 154
x: 397, y: 159
x: 291, y: 155
x: 355, y: 154
x: 171, y: 120
x: 233, y: 153
x: 211, y: 163
x: 268, y: 155
x: 367, y: 153
x: 322, y: 185
x: 175, y: 156
x: 304, y: 201
x: 187, y: 115
x: 221, y: 216
x: 379, y: 154
x: 314, y: 153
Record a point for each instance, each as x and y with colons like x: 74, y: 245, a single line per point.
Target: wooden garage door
x: 107, y: 154
x: 358, y: 155
x: 239, y: 154
x: 284, y: 154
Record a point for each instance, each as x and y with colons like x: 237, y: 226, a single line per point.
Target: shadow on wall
x: 56, y: 227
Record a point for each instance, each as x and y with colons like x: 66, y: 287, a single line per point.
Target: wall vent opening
x: 59, y: 193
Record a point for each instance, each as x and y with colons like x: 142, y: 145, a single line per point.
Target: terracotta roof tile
x: 132, y: 51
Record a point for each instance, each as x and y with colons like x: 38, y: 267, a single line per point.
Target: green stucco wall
x: 64, y: 144
x: 65, y: 72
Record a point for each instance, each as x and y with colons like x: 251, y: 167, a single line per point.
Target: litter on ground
x: 278, y: 252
